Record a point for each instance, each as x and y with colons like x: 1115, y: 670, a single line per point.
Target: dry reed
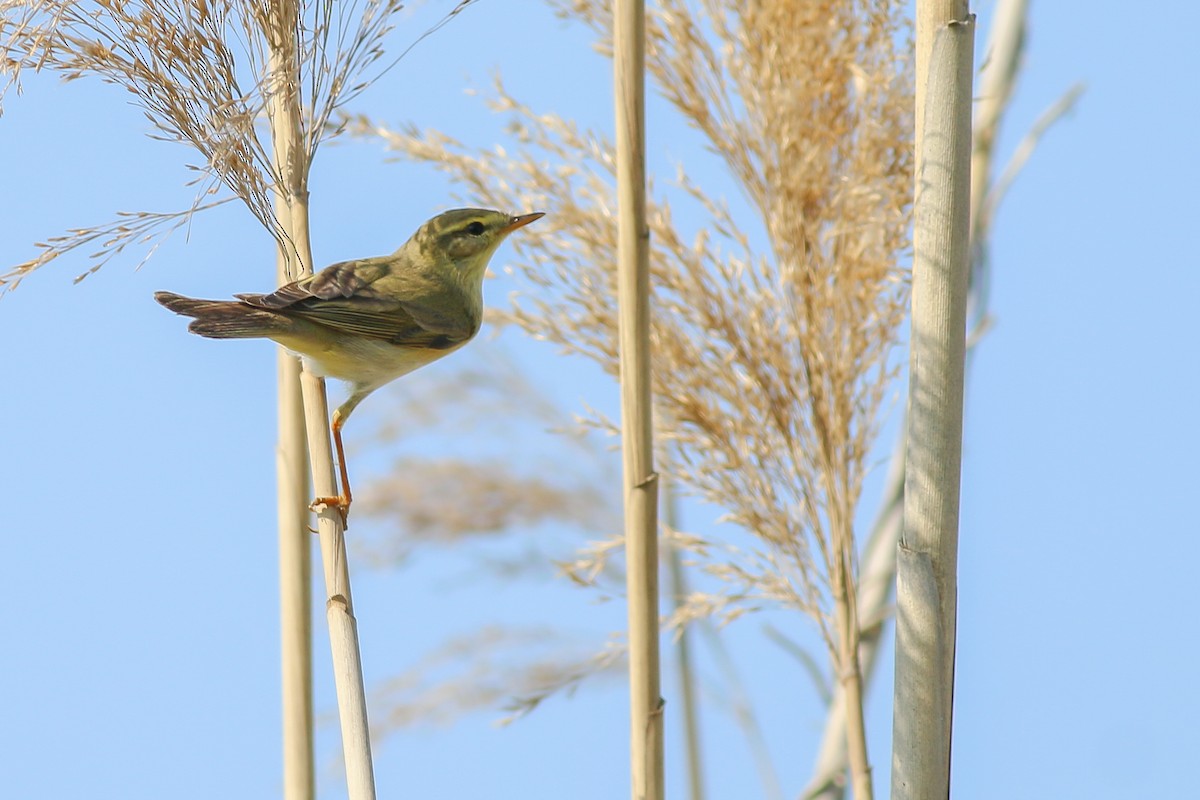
x: 773, y: 333
x: 204, y: 75
x: 773, y: 361
x: 200, y: 72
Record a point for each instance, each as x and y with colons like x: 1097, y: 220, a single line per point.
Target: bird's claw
x: 342, y: 504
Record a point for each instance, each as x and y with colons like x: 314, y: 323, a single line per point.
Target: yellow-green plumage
x: 372, y: 320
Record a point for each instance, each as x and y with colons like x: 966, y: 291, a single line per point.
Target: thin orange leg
x: 342, y: 501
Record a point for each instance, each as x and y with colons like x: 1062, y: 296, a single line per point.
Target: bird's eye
x: 475, y: 228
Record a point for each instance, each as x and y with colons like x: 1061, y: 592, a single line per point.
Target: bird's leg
x: 342, y: 501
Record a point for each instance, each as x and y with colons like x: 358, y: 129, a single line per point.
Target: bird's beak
x: 521, y: 221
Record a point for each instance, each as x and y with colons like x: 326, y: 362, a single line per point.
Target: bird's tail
x: 225, y: 319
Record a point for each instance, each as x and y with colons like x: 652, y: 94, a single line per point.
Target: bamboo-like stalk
x: 677, y: 589
x: 291, y: 165
x: 876, y: 574
x: 295, y: 577
x: 927, y: 555
x: 850, y: 676
x: 179, y: 61
x: 641, y: 482
x: 295, y: 551
x: 339, y: 607
x: 997, y: 80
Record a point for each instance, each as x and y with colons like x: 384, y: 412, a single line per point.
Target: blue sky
x: 141, y: 631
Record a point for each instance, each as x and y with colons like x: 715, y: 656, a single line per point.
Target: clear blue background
x: 141, y: 639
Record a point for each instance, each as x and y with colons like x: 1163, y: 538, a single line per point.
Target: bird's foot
x: 341, y: 503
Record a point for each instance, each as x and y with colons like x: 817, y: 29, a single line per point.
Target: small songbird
x: 370, y: 321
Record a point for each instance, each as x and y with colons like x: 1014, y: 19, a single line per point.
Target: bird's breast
x: 365, y: 361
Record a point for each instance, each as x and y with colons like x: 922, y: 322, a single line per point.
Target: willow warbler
x: 370, y: 321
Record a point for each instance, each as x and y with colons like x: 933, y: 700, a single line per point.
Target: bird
x: 372, y: 320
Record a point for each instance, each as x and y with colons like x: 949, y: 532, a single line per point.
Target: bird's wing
x: 353, y: 297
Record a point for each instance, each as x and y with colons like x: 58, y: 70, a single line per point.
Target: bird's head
x: 467, y: 238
